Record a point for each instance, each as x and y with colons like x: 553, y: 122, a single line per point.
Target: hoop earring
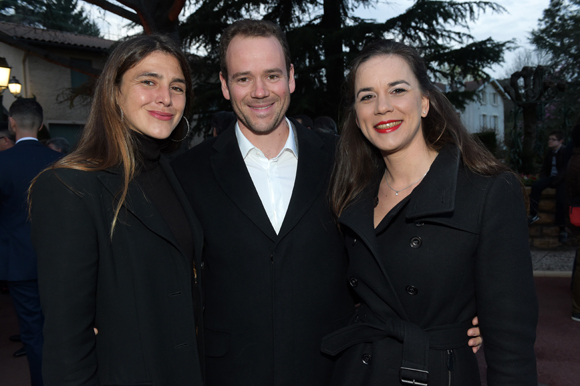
x: 186, y: 134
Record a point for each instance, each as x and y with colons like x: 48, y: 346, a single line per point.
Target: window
x: 494, y: 99
x: 71, y: 132
x: 77, y: 79
x: 483, y: 122
x: 483, y: 98
x: 494, y: 121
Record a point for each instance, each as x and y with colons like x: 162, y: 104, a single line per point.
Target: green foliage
x: 60, y: 15
x: 325, y: 35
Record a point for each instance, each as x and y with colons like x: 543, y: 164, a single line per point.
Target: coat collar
x: 435, y: 195
x: 232, y: 174
x: 141, y: 207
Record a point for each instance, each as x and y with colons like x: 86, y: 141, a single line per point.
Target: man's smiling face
x: 258, y: 84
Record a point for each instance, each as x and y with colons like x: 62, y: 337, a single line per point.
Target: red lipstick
x: 388, y: 126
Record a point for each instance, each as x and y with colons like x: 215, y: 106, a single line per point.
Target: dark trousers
x: 30, y: 321
x: 537, y: 189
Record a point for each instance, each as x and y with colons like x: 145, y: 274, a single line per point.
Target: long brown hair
x: 358, y: 161
x: 106, y: 142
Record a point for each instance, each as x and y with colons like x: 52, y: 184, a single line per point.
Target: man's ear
x: 41, y: 126
x: 11, y: 124
x: 225, y: 89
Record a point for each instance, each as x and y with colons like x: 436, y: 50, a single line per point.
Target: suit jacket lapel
x: 311, y: 176
x: 232, y: 174
x: 138, y: 205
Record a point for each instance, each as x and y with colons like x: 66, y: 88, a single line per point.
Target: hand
x: 97, y: 331
x: 477, y: 340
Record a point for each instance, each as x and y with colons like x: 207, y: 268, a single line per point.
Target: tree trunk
x: 530, y: 129
x: 331, y: 24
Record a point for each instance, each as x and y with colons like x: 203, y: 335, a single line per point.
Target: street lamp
x: 4, y: 73
x: 4, y: 77
x: 14, y: 86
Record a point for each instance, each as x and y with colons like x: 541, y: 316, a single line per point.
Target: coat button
x: 353, y: 281
x: 366, y: 359
x: 353, y: 242
x: 412, y: 290
x: 415, y: 242
x: 419, y: 223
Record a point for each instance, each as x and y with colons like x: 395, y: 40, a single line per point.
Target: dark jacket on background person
x: 456, y: 247
x: 269, y: 298
x: 135, y: 288
x: 562, y: 158
x: 18, y: 166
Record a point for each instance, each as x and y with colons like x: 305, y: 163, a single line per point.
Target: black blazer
x: 135, y: 288
x: 456, y: 247
x: 18, y: 166
x: 269, y: 298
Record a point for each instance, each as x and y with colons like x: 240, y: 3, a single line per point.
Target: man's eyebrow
x: 395, y: 83
x: 268, y: 71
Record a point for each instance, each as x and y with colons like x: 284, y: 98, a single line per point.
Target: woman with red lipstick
x: 116, y: 239
x: 436, y: 233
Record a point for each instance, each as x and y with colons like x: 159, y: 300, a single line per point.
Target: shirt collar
x: 246, y: 146
x: 27, y: 139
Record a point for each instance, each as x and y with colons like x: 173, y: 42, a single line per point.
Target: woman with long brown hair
x: 116, y: 239
x: 436, y: 232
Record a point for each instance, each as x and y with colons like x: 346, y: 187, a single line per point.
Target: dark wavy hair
x: 106, y: 141
x: 358, y: 161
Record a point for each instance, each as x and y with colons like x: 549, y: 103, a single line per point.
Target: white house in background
x: 487, y: 111
x: 48, y: 62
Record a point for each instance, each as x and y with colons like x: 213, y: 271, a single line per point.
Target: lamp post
x: 4, y: 80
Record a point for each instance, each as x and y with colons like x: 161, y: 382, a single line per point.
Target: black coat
x: 136, y: 289
x: 18, y: 166
x: 269, y: 299
x: 455, y: 248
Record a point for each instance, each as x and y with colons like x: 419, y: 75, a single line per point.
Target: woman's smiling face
x: 152, y: 95
x: 389, y: 103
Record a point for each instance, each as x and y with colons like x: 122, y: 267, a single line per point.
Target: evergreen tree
x: 558, y: 35
x: 60, y: 15
x: 325, y: 35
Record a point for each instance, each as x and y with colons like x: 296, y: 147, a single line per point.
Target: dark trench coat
x: 456, y: 247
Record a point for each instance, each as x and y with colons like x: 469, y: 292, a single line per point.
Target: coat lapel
x: 138, y: 205
x: 311, y: 176
x: 232, y: 174
x: 435, y: 195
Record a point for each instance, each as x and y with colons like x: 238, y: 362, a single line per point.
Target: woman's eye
x: 399, y: 91
x: 365, y: 98
x: 178, y: 89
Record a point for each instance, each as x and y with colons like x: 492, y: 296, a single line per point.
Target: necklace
x: 400, y: 190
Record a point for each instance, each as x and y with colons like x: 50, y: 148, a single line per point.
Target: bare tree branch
x: 120, y: 11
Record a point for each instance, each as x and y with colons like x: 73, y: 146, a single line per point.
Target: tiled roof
x: 32, y: 34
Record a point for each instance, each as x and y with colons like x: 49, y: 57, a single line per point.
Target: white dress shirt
x: 272, y: 178
x: 27, y: 139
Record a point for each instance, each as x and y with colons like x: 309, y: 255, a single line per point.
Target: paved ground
x: 557, y: 345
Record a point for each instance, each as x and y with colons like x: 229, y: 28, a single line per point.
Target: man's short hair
x: 60, y: 143
x: 27, y: 113
x: 252, y: 29
x: 558, y: 134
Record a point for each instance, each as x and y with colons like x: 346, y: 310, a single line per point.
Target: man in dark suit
x: 274, y: 262
x: 18, y: 166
